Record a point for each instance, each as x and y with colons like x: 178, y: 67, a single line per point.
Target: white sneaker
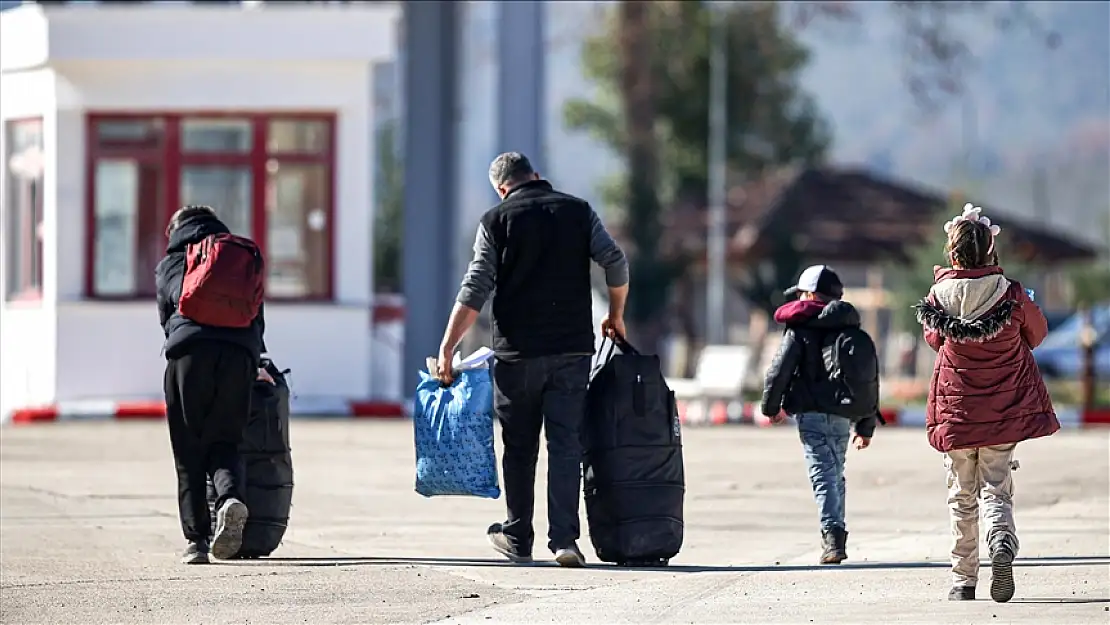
x: 231, y: 518
x: 570, y: 557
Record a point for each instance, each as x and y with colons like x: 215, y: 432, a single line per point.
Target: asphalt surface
x: 89, y: 535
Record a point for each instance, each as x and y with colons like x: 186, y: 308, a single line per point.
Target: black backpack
x: 852, y: 365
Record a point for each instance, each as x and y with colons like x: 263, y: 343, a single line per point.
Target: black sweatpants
x: 208, y: 400
x: 548, y: 391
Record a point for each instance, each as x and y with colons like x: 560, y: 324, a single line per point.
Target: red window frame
x: 172, y: 158
x: 27, y: 285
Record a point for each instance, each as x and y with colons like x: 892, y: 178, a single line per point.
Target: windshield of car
x: 1067, y: 333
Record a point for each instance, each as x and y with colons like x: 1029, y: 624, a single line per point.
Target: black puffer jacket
x: 793, y: 380
x: 180, y: 331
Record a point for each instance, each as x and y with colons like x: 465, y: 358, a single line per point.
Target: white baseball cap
x: 818, y: 279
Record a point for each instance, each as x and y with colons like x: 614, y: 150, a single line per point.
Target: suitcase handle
x: 602, y: 360
x: 617, y: 341
x: 614, y: 342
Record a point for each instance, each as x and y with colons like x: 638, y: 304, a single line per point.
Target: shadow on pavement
x: 675, y: 568
x: 1061, y: 600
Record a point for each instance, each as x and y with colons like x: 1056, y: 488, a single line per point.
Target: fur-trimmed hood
x: 967, y: 305
x: 968, y: 294
x: 982, y: 329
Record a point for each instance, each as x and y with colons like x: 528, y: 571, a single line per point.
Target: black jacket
x: 180, y: 331
x: 797, y: 373
x: 543, y: 299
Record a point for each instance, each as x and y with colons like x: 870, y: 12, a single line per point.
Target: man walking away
x: 209, y: 291
x: 532, y: 253
x: 798, y: 383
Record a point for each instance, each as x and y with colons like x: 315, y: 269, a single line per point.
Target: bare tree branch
x: 937, y: 59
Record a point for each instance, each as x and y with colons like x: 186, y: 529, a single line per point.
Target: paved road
x: 89, y: 535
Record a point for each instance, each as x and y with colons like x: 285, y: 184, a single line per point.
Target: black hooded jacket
x: 797, y: 371
x: 169, y: 275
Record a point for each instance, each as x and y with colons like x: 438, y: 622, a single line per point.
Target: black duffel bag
x: 634, y: 478
x: 267, y: 470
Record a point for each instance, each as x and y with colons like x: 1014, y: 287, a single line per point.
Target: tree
x: 651, y: 63
x: 1090, y: 287
x: 912, y: 281
x: 389, y: 220
x: 1090, y: 284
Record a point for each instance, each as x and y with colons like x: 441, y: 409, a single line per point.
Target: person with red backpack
x: 209, y: 292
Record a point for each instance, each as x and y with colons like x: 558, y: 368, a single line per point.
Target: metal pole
x: 716, y: 284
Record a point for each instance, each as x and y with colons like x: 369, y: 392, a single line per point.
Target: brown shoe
x: 962, y: 593
x: 835, y: 543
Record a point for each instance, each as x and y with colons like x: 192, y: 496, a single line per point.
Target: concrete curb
x: 693, y: 413
x: 96, y: 410
x: 697, y: 413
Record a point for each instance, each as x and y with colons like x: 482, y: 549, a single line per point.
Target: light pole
x: 716, y: 261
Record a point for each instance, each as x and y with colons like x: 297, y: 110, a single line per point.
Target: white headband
x: 971, y: 213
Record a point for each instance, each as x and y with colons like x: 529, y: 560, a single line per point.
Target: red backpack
x: 224, y: 281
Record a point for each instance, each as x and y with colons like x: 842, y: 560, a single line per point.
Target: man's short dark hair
x: 508, y: 168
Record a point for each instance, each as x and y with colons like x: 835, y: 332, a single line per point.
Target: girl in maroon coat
x: 986, y: 395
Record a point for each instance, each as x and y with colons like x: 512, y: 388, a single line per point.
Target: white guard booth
x: 116, y: 115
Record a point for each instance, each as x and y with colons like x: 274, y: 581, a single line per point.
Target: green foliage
x: 913, y: 281
x: 763, y: 284
x: 1090, y: 284
x: 771, y: 122
x: 388, y: 225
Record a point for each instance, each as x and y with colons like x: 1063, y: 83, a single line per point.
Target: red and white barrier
x: 144, y: 410
x: 700, y: 412
x: 693, y: 413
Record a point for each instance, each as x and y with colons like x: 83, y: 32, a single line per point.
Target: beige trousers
x: 974, y: 475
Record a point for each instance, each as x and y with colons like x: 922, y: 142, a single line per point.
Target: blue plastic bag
x: 453, y: 431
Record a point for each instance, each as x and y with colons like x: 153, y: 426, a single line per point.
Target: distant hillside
x: 1031, y: 117
x: 1029, y: 110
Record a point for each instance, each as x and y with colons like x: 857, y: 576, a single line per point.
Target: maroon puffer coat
x: 986, y: 388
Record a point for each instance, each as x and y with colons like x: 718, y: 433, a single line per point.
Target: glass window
x: 297, y: 211
x: 284, y: 203
x: 297, y: 136
x: 129, y: 228
x: 226, y: 189
x: 23, y: 209
x: 216, y: 135
x: 129, y: 133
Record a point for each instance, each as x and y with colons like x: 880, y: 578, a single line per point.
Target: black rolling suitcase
x: 268, y: 470
x: 634, y: 479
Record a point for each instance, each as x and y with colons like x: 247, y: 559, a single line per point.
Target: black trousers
x: 548, y: 391
x: 208, y: 400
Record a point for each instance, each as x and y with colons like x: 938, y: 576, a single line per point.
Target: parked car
x: 1056, y: 318
x: 1061, y: 356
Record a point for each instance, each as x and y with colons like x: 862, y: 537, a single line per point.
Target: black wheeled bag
x: 268, y: 467
x: 633, y: 473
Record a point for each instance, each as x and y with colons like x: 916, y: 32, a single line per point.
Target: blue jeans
x: 825, y: 440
